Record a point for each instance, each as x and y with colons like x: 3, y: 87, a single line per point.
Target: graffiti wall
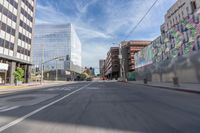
x: 181, y: 40
x: 176, y: 51
x: 144, y: 57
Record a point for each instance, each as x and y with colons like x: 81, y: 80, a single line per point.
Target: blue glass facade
x: 54, y: 41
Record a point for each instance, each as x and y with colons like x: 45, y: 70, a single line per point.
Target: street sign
x: 3, y: 67
x: 67, y: 73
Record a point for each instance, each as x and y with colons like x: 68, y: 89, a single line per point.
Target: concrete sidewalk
x: 187, y: 87
x: 4, y: 89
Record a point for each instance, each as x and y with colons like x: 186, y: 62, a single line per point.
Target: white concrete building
x: 16, y: 32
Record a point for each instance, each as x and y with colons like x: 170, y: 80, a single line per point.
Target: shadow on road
x: 114, y: 107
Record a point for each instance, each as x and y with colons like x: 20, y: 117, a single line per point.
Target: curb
x: 171, y: 88
x: 18, y: 87
x: 28, y: 88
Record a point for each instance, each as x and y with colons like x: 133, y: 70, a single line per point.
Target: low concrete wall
x: 187, y: 69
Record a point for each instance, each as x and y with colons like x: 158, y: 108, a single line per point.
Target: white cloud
x: 93, y: 52
x: 124, y: 17
x: 86, y: 33
x: 82, y: 5
x: 120, y: 18
x: 48, y: 14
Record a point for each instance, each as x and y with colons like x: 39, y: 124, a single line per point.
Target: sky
x: 101, y: 24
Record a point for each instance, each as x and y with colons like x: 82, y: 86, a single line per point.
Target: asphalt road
x: 100, y: 107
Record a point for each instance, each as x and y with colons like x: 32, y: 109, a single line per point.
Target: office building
x: 60, y: 48
x: 127, y: 51
x: 179, y: 11
x: 16, y: 32
x: 112, y: 66
x: 90, y: 71
x: 102, y: 68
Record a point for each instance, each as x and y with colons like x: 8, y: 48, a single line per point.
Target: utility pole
x: 42, y: 69
x: 175, y: 79
x: 123, y: 71
x: 122, y: 61
x: 56, y: 64
x: 56, y: 70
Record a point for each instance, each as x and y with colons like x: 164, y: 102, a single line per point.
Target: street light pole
x: 122, y: 63
x: 56, y: 71
x: 44, y: 62
x: 122, y: 72
x: 42, y: 69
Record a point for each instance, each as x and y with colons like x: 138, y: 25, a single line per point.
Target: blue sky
x: 101, y: 24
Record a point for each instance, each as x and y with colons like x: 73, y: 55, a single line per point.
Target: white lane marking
x: 66, y: 89
x: 60, y: 89
x: 39, y: 109
x: 9, y: 108
x: 3, y: 107
x: 93, y: 88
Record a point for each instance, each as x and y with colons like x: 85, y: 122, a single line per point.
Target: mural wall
x: 182, y: 40
x: 144, y: 57
x: 176, y: 51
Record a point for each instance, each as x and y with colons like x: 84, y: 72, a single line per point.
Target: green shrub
x: 19, y: 74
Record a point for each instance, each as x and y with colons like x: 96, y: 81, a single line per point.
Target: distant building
x: 16, y: 32
x: 112, y: 66
x: 127, y: 51
x: 176, y: 52
x: 178, y: 12
x: 102, y: 68
x: 57, y: 41
x: 90, y: 71
x: 180, y: 31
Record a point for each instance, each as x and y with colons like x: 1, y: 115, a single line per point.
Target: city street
x: 100, y: 107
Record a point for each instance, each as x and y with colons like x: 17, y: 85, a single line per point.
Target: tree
x: 19, y: 74
x: 84, y: 75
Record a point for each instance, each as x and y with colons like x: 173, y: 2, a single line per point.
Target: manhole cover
x: 21, y: 99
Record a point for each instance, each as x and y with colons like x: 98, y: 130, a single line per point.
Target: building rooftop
x: 138, y: 42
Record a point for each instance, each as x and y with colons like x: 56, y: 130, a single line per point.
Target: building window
x: 28, y: 5
x: 187, y: 9
x: 7, y: 13
x: 29, y: 17
x: 11, y: 46
x: 7, y: 44
x: 198, y: 42
x: 25, y: 26
x: 1, y: 42
x: 193, y: 48
x: 176, y: 20
x: 193, y: 6
x: 13, y: 3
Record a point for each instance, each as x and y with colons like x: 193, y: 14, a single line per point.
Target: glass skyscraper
x: 57, y: 41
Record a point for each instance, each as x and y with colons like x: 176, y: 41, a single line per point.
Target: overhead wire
x: 135, y: 27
